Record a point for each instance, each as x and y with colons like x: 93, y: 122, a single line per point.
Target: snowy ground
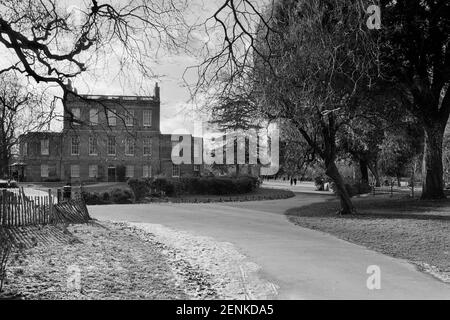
x: 230, y: 273
x: 130, y: 261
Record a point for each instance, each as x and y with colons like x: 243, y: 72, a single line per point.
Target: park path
x: 302, y: 263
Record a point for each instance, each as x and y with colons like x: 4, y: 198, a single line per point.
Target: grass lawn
x: 418, y: 231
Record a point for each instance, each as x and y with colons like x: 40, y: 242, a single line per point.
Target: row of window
x: 129, y: 173
x: 111, y: 146
x: 129, y: 117
x: 130, y: 146
x: 93, y: 171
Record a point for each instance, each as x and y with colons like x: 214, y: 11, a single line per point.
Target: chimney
x: 157, y: 92
x: 71, y: 87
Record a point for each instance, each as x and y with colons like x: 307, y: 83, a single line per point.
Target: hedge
x: 193, y: 186
x: 116, y: 196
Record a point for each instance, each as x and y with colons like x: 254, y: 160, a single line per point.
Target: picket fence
x: 18, y: 209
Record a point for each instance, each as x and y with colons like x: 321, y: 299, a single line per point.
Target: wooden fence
x: 71, y: 211
x: 18, y: 209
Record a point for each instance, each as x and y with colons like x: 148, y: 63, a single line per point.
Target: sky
x: 168, y: 70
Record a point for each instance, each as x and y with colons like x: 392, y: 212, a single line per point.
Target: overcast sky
x: 168, y: 68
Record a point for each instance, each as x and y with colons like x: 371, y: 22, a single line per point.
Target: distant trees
x: 400, y: 147
x: 360, y: 141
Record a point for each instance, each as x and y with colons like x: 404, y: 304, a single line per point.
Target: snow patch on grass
x: 229, y: 272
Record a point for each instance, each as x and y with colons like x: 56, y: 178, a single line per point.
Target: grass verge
x: 418, y: 231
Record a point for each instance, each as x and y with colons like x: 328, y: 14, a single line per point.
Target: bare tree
x: 52, y: 44
x: 309, y: 61
x: 22, y: 109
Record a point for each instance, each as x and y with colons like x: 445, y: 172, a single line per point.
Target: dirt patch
x: 418, y: 231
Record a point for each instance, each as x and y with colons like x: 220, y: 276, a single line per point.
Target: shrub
x: 169, y: 188
x: 163, y: 185
x: 206, y: 185
x: 319, y: 182
x: 106, y: 197
x: 92, y: 198
x: 140, y: 187
x: 247, y: 184
x: 121, y: 196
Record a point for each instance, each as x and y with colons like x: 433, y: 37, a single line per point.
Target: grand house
x: 104, y: 139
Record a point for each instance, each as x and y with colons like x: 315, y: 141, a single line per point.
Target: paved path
x: 305, y: 264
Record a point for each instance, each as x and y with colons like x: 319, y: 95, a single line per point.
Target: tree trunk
x: 374, y: 170
x: 4, y: 162
x: 399, y: 181
x: 432, y: 173
x: 364, y: 171
x: 346, y: 203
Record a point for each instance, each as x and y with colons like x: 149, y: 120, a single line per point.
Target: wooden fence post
x: 50, y: 205
x: 3, y: 207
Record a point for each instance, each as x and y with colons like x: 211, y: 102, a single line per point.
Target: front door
x: 111, y: 174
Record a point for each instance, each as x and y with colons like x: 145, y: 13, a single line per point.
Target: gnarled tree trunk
x: 432, y: 172
x: 346, y: 203
x: 363, y: 167
x: 374, y: 169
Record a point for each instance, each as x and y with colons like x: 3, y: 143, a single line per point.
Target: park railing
x: 395, y: 190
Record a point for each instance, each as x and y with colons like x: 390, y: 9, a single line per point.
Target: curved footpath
x: 302, y: 263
